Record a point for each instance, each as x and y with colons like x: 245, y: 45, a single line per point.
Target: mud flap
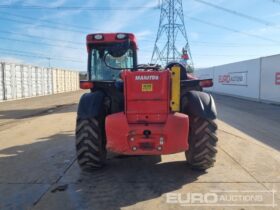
x: 201, y: 104
x: 90, y: 105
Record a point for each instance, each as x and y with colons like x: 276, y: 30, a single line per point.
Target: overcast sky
x: 57, y: 36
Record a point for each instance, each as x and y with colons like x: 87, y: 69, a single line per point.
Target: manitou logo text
x: 147, y: 77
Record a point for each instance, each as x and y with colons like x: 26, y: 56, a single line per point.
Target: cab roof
x: 98, y: 38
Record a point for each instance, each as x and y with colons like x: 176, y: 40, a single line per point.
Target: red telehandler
x: 136, y: 109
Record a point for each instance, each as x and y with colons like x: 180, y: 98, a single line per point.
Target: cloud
x: 269, y: 30
x: 56, y: 3
x: 36, y: 2
x: 63, y: 13
x: 59, y: 16
x: 10, y: 59
x: 194, y: 35
x: 270, y: 34
x: 142, y: 34
x: 195, y: 8
x: 6, y: 2
x: 118, y: 20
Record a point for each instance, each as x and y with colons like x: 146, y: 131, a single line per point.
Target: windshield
x: 99, y: 70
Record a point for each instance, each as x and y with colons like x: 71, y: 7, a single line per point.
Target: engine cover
x: 147, y: 96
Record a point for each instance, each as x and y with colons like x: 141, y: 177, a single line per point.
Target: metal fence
x: 257, y: 79
x: 19, y: 81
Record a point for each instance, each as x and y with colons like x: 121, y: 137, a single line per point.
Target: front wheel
x: 90, y: 144
x: 202, y: 143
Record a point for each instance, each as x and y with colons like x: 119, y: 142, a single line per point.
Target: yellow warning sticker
x: 147, y: 87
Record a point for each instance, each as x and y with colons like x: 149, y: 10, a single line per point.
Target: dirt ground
x: 38, y: 168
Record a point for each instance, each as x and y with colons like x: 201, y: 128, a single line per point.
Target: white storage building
x: 19, y: 81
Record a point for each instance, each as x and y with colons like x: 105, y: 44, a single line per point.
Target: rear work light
x: 98, y: 37
x: 86, y: 85
x: 121, y: 36
x: 206, y: 83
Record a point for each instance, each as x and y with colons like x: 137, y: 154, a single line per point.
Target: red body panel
x: 122, y: 137
x: 147, y: 110
x: 146, y: 96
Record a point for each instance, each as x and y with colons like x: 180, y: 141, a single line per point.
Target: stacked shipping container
x: 23, y: 81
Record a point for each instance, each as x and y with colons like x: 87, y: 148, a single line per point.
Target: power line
x: 26, y: 55
x: 49, y: 22
x: 45, y: 38
x: 69, y: 25
x: 233, y: 44
x: 39, y: 7
x: 42, y: 25
x: 226, y: 46
x: 255, y: 19
x: 30, y: 54
x: 215, y: 55
x: 233, y: 30
x: 39, y: 43
x: 276, y: 1
x: 223, y: 55
x: 222, y: 44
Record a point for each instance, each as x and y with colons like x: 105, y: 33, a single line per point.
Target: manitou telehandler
x: 141, y: 109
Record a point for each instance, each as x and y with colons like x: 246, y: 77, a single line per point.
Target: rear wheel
x: 202, y: 143
x: 90, y: 144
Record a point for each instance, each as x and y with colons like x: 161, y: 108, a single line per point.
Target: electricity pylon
x: 171, y: 41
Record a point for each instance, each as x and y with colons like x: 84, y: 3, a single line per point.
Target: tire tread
x: 90, y: 152
x: 202, y: 143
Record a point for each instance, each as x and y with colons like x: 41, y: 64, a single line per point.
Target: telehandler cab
x: 136, y: 109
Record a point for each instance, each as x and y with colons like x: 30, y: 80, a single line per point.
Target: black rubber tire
x: 202, y: 143
x: 90, y: 146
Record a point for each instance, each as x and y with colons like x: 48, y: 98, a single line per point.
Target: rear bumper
x: 168, y: 138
